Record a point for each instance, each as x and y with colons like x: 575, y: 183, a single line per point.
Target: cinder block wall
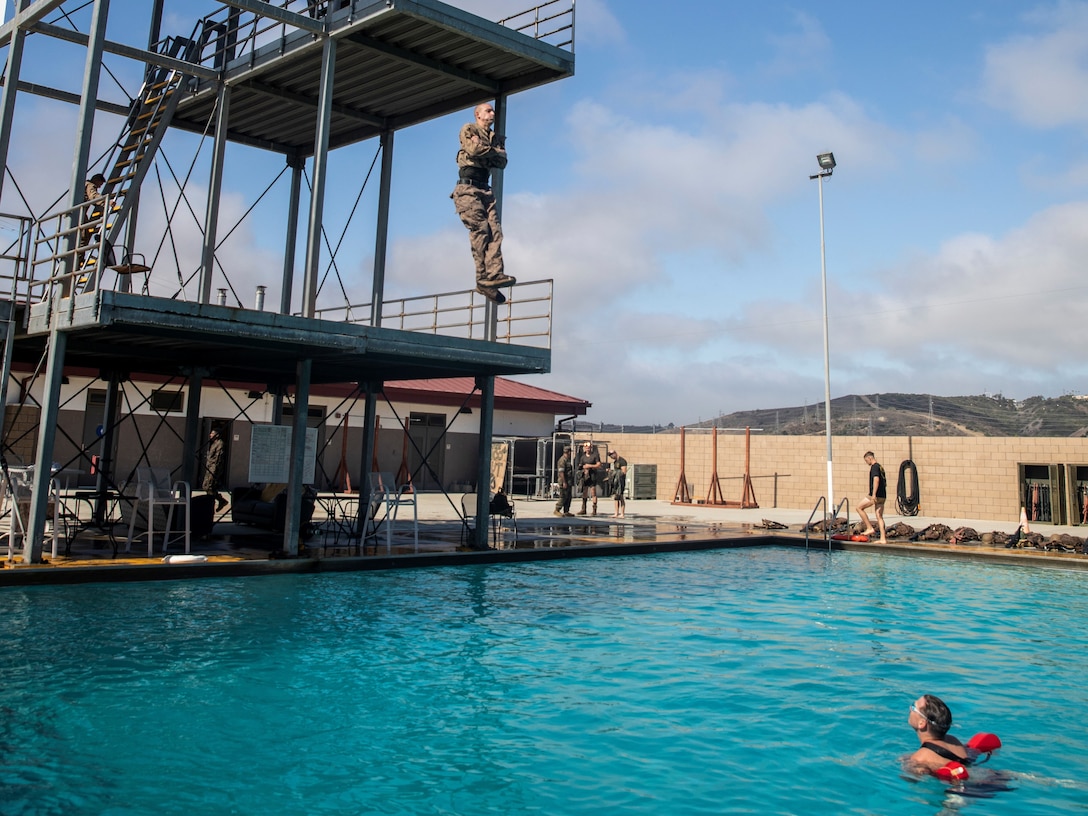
x: 959, y: 477
x: 21, y: 433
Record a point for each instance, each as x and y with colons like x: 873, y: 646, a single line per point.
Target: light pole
x: 827, y: 167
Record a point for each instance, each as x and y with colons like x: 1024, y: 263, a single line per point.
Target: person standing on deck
x: 878, y: 494
x: 564, y: 475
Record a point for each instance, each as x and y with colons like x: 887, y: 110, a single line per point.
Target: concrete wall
x: 959, y: 477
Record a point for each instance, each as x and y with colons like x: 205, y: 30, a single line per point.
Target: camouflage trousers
x: 476, y: 207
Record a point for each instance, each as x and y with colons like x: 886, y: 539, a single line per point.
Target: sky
x: 666, y: 189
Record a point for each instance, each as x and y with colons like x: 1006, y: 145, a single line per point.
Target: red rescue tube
x: 984, y: 743
x: 848, y: 537
x: 952, y: 772
x: 981, y: 743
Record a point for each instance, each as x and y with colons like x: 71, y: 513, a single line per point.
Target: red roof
x: 511, y: 395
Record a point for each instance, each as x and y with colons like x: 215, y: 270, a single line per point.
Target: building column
x: 292, y: 523
x: 192, y: 441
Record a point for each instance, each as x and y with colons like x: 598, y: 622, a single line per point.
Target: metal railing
x: 828, y: 518
x: 230, y: 33
x: 68, y: 249
x: 552, y: 22
x: 525, y: 318
x: 16, y: 236
x: 65, y: 253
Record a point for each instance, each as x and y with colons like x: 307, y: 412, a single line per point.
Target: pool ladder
x: 827, y: 524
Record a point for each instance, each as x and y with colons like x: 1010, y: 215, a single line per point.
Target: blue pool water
x: 769, y: 681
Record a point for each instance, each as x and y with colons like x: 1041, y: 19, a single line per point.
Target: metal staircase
x: 88, y: 232
x: 131, y: 158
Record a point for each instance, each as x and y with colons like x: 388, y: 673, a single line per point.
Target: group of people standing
x: 587, y: 474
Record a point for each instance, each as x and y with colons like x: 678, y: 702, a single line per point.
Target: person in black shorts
x: 878, y: 494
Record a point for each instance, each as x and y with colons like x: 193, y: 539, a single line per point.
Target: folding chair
x: 153, y: 487
x: 384, y: 489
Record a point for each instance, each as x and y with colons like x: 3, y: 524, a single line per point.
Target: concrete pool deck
x: 650, y: 526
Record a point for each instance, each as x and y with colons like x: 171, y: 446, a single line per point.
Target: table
x: 77, y: 512
x: 341, y: 520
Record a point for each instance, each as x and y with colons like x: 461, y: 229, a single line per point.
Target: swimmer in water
x: 931, y: 719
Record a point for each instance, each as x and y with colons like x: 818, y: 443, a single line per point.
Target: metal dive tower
x: 81, y: 280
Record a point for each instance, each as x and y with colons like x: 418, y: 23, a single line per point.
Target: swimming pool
x: 760, y: 680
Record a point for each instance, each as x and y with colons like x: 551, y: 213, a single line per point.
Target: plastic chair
x: 132, y: 263
x: 16, y: 492
x: 153, y: 486
x: 498, y: 511
x: 384, y: 490
x: 468, y: 519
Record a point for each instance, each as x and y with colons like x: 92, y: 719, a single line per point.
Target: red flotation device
x: 981, y: 744
x: 848, y: 537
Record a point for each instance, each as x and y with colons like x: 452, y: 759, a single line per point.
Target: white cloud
x: 1042, y: 78
x: 983, y: 313
x: 804, y: 48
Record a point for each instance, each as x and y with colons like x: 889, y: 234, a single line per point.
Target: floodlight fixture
x: 826, y: 160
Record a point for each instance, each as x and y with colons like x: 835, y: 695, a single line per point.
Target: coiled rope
x: 907, y: 503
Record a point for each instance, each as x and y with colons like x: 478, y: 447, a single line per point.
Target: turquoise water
x: 769, y: 681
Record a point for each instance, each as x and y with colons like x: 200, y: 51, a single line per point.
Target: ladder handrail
x: 828, y: 518
x: 827, y: 527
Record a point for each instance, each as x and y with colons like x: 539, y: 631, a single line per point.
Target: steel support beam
x: 215, y: 187
x: 321, y: 171
x: 381, y: 237
x: 71, y: 98
x: 137, y: 54
x: 310, y: 103
x: 483, y: 473
x: 7, y: 100
x: 43, y: 458
x: 30, y: 14
x: 85, y: 126
x: 292, y: 524
x: 417, y: 59
x: 296, y: 164
x: 104, y: 474
x: 279, y: 14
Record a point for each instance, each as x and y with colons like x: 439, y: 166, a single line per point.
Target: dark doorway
x: 427, y: 432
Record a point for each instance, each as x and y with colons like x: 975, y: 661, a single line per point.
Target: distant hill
x: 905, y: 415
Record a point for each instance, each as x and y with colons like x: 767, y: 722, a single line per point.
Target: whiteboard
x: 270, y: 455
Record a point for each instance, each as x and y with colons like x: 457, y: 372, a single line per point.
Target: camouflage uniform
x: 564, y: 472
x: 480, y: 153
